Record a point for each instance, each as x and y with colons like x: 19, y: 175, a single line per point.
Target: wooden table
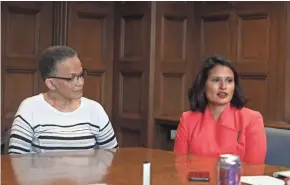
x: 115, y: 167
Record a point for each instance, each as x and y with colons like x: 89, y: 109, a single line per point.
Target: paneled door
x: 26, y: 29
x: 131, y: 69
x: 90, y: 32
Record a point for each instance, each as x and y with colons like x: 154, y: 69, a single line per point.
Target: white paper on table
x: 261, y: 180
x: 282, y: 173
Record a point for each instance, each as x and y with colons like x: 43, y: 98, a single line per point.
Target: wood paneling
x: 279, y: 125
x: 253, y: 42
x: 212, y: 40
x: 143, y: 56
x: 130, y: 137
x: 131, y: 32
x: 174, y: 57
x: 175, y: 64
x: 215, y: 24
x: 27, y: 86
x: 256, y: 97
x: 285, y: 40
x: 26, y: 30
x: 253, y: 55
x: 30, y: 27
x: 90, y: 32
x: 129, y: 81
x: 95, y: 86
x: 131, y: 70
x: 257, y: 38
x: 248, y: 35
x: 60, y: 18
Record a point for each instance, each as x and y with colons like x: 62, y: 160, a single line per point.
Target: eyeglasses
x: 73, y: 79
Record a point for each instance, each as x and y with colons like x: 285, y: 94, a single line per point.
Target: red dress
x: 238, y: 132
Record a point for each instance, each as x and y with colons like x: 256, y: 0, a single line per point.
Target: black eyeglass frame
x: 84, y: 71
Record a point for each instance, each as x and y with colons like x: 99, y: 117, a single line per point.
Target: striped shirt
x: 39, y: 127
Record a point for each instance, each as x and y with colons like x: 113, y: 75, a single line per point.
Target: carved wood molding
x: 60, y: 19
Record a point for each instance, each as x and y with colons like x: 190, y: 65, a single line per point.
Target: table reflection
x: 81, y: 167
x: 187, y: 163
x: 123, y: 166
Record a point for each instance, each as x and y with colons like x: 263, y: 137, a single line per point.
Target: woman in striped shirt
x: 60, y: 119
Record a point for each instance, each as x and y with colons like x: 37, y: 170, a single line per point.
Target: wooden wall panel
x: 215, y: 24
x: 253, y: 42
x: 128, y: 82
x: 131, y: 32
x: 173, y: 41
x: 95, y: 86
x: 131, y: 69
x: 174, y: 58
x: 131, y: 137
x: 172, y: 94
x: 285, y: 40
x: 26, y: 88
x: 26, y: 30
x: 257, y: 41
x: 253, y: 55
x: 217, y: 42
x: 175, y: 65
x: 255, y: 89
x: 90, y: 33
x: 60, y: 18
x: 247, y: 34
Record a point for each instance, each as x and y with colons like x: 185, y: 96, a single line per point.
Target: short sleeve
x: 103, y: 129
x: 22, y: 132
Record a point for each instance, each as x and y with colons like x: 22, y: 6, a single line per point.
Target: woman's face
x: 220, y: 85
x: 70, y: 68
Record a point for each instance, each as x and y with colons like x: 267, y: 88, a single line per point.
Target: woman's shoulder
x: 250, y: 113
x: 91, y: 104
x: 32, y: 101
x: 249, y: 116
x: 191, y: 115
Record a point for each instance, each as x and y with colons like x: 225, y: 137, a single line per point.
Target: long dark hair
x: 196, y: 94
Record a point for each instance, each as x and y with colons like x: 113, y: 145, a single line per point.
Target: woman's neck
x: 60, y: 103
x: 216, y: 110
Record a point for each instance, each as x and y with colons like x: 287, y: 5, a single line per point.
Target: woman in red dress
x: 218, y: 122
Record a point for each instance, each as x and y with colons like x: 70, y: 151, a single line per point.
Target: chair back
x: 278, y: 147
